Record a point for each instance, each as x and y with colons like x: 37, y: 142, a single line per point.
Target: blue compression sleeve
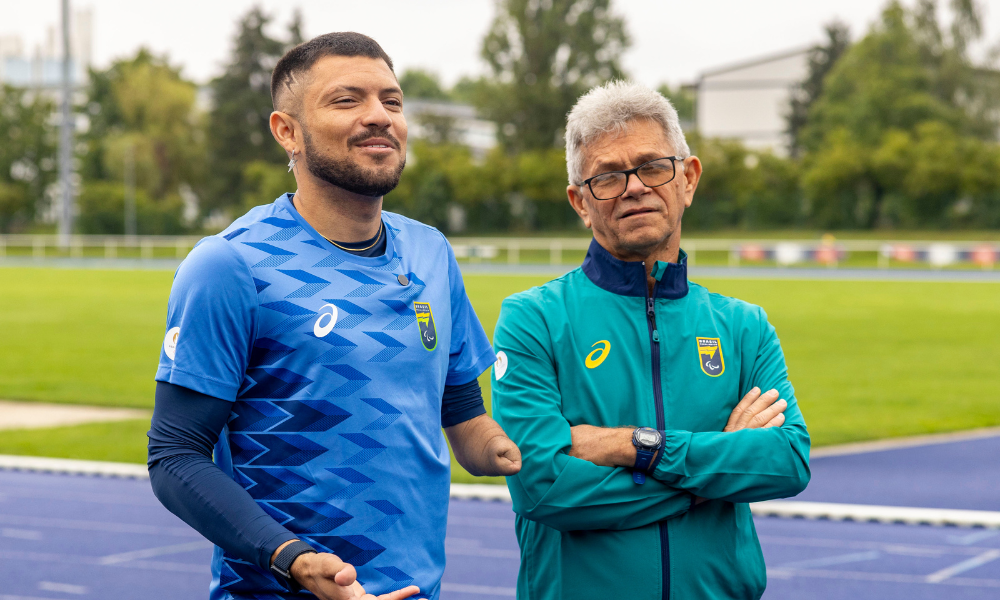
x: 185, y: 428
x: 459, y: 403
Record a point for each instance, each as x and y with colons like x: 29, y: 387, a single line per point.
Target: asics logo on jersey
x: 327, y: 319
x: 596, y: 357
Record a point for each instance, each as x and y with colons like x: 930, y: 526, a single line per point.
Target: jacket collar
x: 629, y: 278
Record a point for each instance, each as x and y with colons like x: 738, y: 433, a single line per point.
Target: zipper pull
x: 656, y: 337
x: 649, y: 309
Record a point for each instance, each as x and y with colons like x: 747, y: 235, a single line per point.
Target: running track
x: 88, y: 537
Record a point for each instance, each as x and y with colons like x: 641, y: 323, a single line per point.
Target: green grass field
x: 868, y: 359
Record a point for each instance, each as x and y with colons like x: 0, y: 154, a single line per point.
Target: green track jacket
x: 592, y: 348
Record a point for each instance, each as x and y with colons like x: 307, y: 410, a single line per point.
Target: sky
x: 673, y: 41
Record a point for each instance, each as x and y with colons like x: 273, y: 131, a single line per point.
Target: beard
x: 351, y: 176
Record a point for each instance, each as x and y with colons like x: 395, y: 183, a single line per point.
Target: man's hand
x: 603, y: 446
x: 332, y: 579
x: 757, y: 411
x: 481, y: 446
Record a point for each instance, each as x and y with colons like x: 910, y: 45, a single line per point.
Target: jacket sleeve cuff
x: 670, y: 465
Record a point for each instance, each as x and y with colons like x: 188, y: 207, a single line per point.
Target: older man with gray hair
x: 635, y: 394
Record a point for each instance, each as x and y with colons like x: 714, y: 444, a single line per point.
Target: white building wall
x: 749, y: 101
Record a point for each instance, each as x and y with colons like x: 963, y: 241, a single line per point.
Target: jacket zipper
x: 654, y: 344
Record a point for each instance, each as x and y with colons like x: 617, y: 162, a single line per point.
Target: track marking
x: 962, y: 567
x: 921, y: 550
x: 875, y: 513
x: 21, y: 534
x: 114, y: 559
x: 475, y: 590
x: 972, y: 538
x: 481, y: 522
x: 904, y: 442
x: 65, y: 588
x: 97, y: 526
x: 43, y: 557
x: 887, y: 577
x: 8, y: 597
x: 840, y: 559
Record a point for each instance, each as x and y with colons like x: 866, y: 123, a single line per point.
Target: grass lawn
x: 868, y: 359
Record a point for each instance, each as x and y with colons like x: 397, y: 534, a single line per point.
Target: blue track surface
x: 66, y: 536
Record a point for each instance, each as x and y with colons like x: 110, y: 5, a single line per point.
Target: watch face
x: 648, y: 438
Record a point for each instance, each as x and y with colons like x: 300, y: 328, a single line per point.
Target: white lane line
x: 114, y: 559
x: 880, y: 514
x: 904, y: 442
x: 49, y: 557
x: 887, y: 577
x: 20, y: 534
x: 65, y: 588
x: 962, y: 567
x: 972, y: 538
x: 924, y: 550
x: 840, y: 559
x: 475, y: 590
x: 9, y: 597
x: 103, y: 526
x: 481, y: 522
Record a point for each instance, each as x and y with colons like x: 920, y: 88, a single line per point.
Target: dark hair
x: 304, y: 56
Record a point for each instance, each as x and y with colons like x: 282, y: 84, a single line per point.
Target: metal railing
x: 521, y: 250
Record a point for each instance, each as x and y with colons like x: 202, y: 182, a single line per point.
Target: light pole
x: 66, y: 138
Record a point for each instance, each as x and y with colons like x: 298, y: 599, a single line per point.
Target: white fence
x: 514, y: 250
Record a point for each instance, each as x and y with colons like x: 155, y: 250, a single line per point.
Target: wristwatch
x: 282, y: 565
x: 646, y: 441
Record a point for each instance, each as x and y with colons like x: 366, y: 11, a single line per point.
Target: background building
x: 749, y: 101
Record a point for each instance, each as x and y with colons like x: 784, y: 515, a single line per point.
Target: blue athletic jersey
x: 336, y: 365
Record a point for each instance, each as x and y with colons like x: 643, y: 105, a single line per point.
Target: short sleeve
x: 211, y: 320
x: 470, y: 353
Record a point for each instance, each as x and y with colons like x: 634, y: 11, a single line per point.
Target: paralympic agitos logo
x: 425, y: 323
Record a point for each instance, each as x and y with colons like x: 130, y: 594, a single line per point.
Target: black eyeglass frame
x: 628, y: 172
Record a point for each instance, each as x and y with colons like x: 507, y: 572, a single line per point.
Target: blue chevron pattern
x: 287, y: 228
x: 267, y: 352
x: 368, y: 285
x: 275, y: 383
x: 307, y: 517
x: 297, y: 315
x: 369, y: 448
x: 244, y: 449
x: 389, y: 414
x: 392, y: 346
x: 255, y: 416
x: 355, y: 379
x: 244, y: 576
x: 260, y: 285
x: 277, y: 256
x: 398, y: 576
x: 341, y: 348
x: 312, y: 284
x: 271, y: 483
x: 310, y: 415
x: 232, y: 235
x: 283, y: 449
x: 357, y: 482
x: 406, y: 315
x: 355, y: 549
x: 412, y: 291
x: 353, y: 315
x: 392, y: 514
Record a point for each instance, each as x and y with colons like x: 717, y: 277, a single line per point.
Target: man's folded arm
x: 553, y: 488
x: 749, y: 465
x: 185, y: 427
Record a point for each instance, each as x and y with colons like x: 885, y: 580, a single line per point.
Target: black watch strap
x: 282, y: 565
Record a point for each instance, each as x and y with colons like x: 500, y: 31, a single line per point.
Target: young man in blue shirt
x: 318, y: 345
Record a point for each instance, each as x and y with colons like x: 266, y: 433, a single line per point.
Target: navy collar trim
x: 629, y: 278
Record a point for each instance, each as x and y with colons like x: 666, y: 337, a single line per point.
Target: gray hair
x: 610, y: 108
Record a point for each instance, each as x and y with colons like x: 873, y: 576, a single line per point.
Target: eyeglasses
x: 654, y: 173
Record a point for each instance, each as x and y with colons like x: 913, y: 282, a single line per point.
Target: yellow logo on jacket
x: 710, y: 356
x: 596, y: 357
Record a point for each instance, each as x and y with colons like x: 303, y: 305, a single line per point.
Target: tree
x: 422, y: 84
x: 903, y: 103
x: 543, y: 56
x: 821, y: 60
x: 238, y: 132
x: 143, y: 117
x: 683, y: 100
x: 27, y: 156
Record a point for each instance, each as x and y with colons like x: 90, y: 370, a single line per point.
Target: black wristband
x: 282, y: 565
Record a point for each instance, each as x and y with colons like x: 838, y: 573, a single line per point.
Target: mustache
x: 374, y: 133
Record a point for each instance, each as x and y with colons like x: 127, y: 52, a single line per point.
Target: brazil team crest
x: 425, y: 322
x: 710, y: 356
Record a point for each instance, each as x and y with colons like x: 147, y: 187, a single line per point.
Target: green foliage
x: 743, y: 189
x: 904, y: 132
x: 27, y: 155
x: 264, y: 182
x: 543, y: 56
x: 102, y: 211
x: 423, y: 84
x: 683, y: 99
x: 821, y: 60
x: 241, y: 109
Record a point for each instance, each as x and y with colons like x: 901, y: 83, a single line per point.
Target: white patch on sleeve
x: 500, y: 366
x: 170, y: 342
